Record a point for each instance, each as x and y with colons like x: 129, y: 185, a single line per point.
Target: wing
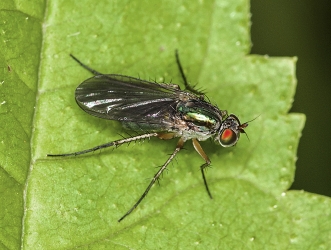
x: 128, y: 99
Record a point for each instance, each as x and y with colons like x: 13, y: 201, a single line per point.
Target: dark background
x: 302, y: 28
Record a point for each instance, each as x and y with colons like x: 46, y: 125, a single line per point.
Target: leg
x: 94, y: 72
x: 109, y: 144
x: 187, y: 85
x: 179, y: 146
x: 199, y: 149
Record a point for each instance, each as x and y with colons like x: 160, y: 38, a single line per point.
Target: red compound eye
x: 228, y: 138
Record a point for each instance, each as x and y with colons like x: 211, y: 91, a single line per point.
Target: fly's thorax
x: 199, y: 116
x: 190, y: 134
x: 185, y: 96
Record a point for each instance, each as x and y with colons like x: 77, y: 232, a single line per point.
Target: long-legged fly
x: 156, y: 110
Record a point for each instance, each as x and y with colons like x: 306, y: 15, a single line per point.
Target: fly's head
x: 230, y: 130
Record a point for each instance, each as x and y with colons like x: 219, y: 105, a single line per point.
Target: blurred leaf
x: 76, y: 202
x: 20, y: 48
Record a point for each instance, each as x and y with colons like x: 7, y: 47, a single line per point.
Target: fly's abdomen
x: 145, y: 126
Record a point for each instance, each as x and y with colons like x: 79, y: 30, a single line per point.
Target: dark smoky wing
x: 124, y: 98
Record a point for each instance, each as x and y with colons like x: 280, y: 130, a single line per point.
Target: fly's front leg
x: 202, y: 153
x: 179, y: 146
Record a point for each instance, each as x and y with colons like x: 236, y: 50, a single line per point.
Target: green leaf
x: 75, y: 202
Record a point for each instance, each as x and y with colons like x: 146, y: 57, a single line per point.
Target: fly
x: 157, y: 110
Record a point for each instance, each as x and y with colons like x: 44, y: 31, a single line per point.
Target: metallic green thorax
x: 203, y: 115
x: 201, y: 118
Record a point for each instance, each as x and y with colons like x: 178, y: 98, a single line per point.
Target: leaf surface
x: 75, y: 202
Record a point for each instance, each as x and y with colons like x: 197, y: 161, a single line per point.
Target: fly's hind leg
x: 179, y: 146
x: 93, y: 71
x: 199, y: 149
x: 107, y: 145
